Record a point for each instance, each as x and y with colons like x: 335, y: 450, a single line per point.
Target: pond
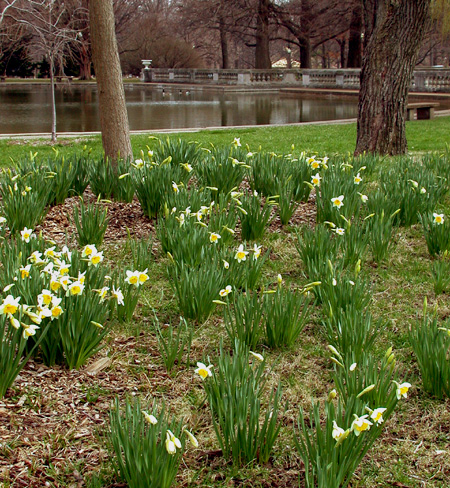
x: 26, y: 108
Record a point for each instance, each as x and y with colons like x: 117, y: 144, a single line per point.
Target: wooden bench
x: 421, y: 110
x: 66, y: 78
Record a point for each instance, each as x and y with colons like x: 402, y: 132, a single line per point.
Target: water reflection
x: 26, y: 108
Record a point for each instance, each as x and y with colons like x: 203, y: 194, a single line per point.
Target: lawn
x: 352, y: 272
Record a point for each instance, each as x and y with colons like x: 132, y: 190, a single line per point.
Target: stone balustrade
x: 425, y: 80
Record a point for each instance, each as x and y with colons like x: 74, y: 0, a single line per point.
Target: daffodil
x: 315, y: 179
x: 25, y: 271
x: 191, y: 438
x: 226, y: 291
x: 143, y: 276
x: 377, y: 415
x: 132, y: 277
x: 102, y: 293
x: 241, y: 255
x: 151, y: 419
x: 63, y: 268
x: 35, y: 258
x: 256, y: 251
x: 339, y: 231
x: 337, y: 431
x: 438, y: 218
x: 175, y: 187
x: 9, y: 305
x: 279, y: 279
x: 50, y: 252
x: 26, y: 234
x: 118, y: 295
x: 170, y: 446
x: 353, y: 367
x: 45, y: 298
x: 138, y: 163
x: 55, y: 285
x: 29, y: 330
x: 236, y: 142
x: 338, y: 202
x: 402, y: 389
x: 187, y: 167
x: 88, y: 250
x: 258, y: 356
x: 173, y: 444
x: 95, y: 259
x: 76, y: 288
x: 226, y: 264
x: 357, y: 179
x: 203, y: 371
x: 361, y: 424
x: 214, y: 237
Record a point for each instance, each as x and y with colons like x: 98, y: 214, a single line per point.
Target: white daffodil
x: 402, y: 389
x: 241, y: 255
x: 9, y: 305
x: 118, y: 295
x: 357, y: 179
x: 26, y: 234
x: 226, y: 291
x: 338, y: 202
x: 360, y: 424
x: 214, y: 237
x: 203, y: 371
x: 132, y: 277
x: 95, y: 259
x: 438, y: 218
x: 88, y: 250
x: 339, y: 231
x: 76, y: 288
x: 143, y: 276
x: 151, y: 419
x: 25, y: 271
x: 236, y: 142
x: 377, y: 415
x: 315, y: 179
x: 337, y: 431
x: 256, y: 251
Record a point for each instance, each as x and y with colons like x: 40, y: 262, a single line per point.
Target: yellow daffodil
x: 203, y: 371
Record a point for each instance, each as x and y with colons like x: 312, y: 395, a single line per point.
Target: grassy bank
x: 423, y: 136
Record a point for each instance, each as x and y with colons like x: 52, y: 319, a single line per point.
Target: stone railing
x: 425, y: 80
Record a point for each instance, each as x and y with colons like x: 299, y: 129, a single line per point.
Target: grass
x: 411, y: 451
x: 326, y: 139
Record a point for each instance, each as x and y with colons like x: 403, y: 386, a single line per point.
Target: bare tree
x: 51, y: 30
x: 393, y: 34
x: 113, y: 111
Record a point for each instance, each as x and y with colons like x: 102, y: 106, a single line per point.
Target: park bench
x: 61, y: 78
x: 421, y: 110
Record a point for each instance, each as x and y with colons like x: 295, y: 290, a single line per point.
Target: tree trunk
x: 111, y: 95
x: 262, y: 53
x: 224, y: 44
x: 393, y: 33
x: 52, y: 84
x: 305, y: 51
x: 354, y: 40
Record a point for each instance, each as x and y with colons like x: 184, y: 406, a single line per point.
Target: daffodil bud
x: 332, y: 395
x: 366, y: 390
